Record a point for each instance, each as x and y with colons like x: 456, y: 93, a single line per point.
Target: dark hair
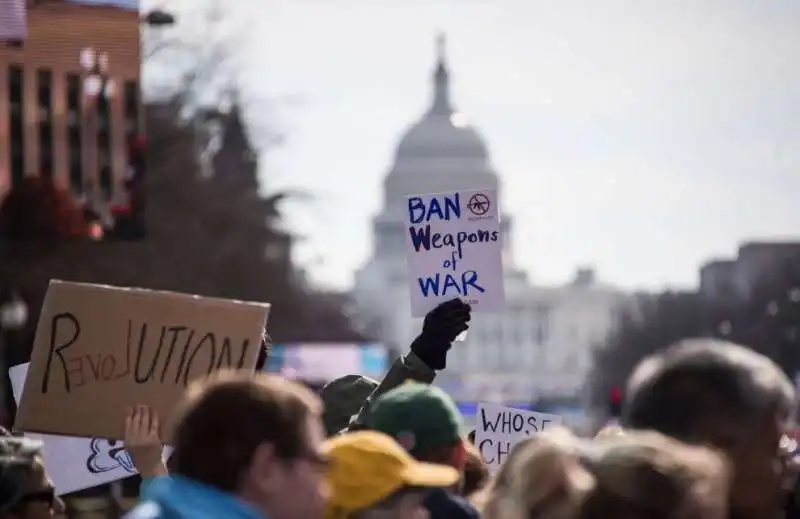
x: 476, y: 473
x: 224, y: 418
x: 704, y: 390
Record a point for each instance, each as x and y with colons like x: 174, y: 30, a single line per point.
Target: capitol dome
x: 443, y: 132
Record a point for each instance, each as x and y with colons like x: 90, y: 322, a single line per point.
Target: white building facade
x: 540, y: 346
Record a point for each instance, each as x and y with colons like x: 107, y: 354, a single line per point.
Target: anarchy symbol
x: 479, y: 204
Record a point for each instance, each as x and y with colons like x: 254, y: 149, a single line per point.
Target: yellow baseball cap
x: 367, y: 467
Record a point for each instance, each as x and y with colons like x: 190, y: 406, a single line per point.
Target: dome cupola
x: 443, y: 132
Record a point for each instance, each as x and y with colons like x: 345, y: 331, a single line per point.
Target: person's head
x: 476, y: 474
x: 25, y: 490
x: 636, y: 476
x: 706, y: 391
x: 256, y: 436
x: 372, y: 477
x: 343, y: 398
x: 424, y: 420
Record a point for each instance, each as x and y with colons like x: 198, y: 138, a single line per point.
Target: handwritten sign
x: 454, y: 248
x: 99, y: 349
x: 78, y: 463
x: 498, y: 428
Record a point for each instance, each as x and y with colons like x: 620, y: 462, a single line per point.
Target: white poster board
x: 454, y: 249
x: 77, y: 463
x: 498, y: 428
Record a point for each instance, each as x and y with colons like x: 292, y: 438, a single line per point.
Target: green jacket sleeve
x: 409, y: 367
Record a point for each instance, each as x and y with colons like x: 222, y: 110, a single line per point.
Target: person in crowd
x: 25, y: 490
x: 246, y: 445
x: 638, y: 476
x: 142, y: 439
x: 712, y: 392
x: 372, y: 477
x: 425, y: 421
x: 348, y: 399
x: 476, y: 474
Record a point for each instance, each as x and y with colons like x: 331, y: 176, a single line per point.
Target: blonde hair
x: 609, y: 431
x: 635, y: 475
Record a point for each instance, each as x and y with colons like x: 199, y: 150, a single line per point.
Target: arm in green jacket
x: 408, y: 367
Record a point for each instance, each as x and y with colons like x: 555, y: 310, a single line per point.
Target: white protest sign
x: 454, y: 249
x: 78, y: 463
x: 498, y: 428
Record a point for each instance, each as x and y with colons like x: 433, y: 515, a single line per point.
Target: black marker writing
x: 58, y: 349
x: 509, y: 422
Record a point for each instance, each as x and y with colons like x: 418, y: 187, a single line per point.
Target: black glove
x: 442, y: 325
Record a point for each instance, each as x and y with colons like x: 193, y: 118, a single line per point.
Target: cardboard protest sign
x: 498, y: 428
x: 454, y: 249
x: 78, y: 463
x: 99, y: 349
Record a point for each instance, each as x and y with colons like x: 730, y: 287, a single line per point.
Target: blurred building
x: 13, y: 21
x: 541, y: 345
x: 52, y: 123
x: 753, y: 264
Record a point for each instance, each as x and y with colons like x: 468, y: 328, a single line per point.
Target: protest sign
x: 78, y: 463
x: 99, y: 349
x: 498, y: 428
x: 454, y: 248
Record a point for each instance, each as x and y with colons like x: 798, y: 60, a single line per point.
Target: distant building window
x: 13, y: 20
x: 131, y: 108
x: 44, y: 82
x: 16, y: 92
x: 104, y: 148
x: 74, y: 136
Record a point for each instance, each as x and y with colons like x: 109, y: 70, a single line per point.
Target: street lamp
x: 158, y: 18
x: 13, y: 314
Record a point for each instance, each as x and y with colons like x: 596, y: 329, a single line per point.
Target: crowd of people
x: 703, y: 435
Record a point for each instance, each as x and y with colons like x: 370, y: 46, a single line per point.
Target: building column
x: 5, y: 134
x: 119, y: 162
x: 60, y: 129
x: 30, y: 107
x: 91, y: 181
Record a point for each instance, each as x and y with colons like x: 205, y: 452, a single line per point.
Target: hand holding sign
x: 143, y: 441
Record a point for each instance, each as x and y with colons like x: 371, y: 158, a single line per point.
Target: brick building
x: 49, y: 124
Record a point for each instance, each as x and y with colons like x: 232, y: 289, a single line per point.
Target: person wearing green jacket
x: 348, y: 399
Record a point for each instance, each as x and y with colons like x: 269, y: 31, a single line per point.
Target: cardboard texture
x: 100, y: 349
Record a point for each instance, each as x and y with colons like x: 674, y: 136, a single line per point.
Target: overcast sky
x: 642, y: 137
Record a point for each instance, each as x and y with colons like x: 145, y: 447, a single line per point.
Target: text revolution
x: 182, y: 347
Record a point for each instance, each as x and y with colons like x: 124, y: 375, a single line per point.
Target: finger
x: 137, y: 419
x: 128, y: 421
x: 154, y: 423
x: 456, y: 316
x: 447, y: 306
x: 145, y: 424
